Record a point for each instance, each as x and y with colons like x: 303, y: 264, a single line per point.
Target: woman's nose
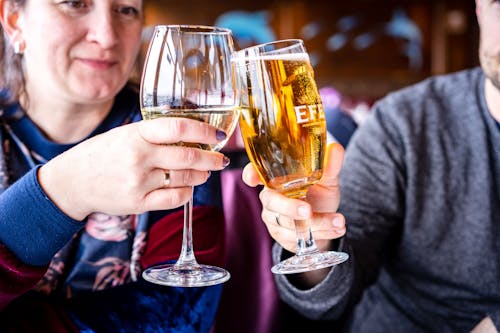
x: 103, y: 29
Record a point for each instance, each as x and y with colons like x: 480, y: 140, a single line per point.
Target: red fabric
x: 15, y: 277
x: 35, y: 314
x: 26, y: 314
x: 165, y: 237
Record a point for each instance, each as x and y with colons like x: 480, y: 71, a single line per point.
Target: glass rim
x: 295, y: 41
x: 206, y: 29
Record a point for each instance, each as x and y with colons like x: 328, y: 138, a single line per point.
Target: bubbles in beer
x: 283, y: 122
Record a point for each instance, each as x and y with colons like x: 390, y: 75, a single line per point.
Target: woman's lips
x: 98, y: 64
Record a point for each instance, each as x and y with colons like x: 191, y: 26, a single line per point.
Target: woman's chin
x: 98, y: 93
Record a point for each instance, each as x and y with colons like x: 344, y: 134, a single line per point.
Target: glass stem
x: 305, y: 240
x: 187, y: 254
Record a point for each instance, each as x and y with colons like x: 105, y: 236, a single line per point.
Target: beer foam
x: 283, y: 56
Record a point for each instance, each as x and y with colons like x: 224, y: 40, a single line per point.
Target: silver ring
x: 277, y: 218
x: 166, y: 179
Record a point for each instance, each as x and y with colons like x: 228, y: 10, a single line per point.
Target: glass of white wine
x: 187, y: 73
x: 284, y: 130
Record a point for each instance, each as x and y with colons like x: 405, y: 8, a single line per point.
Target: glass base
x: 186, y: 275
x: 309, y: 262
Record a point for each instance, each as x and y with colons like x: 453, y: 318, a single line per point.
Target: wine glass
x: 187, y: 73
x: 284, y: 130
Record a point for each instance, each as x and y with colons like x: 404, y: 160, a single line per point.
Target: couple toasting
x: 422, y: 229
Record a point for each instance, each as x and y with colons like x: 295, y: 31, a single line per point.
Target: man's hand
x: 485, y: 326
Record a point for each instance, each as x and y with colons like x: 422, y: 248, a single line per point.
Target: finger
x: 277, y: 202
x: 250, y: 175
x: 328, y: 226
x: 168, y: 130
x: 274, y: 219
x: 333, y: 164
x: 323, y: 226
x: 181, y: 157
x: 166, y: 198
x: 160, y: 178
x: 287, y: 238
x: 328, y: 186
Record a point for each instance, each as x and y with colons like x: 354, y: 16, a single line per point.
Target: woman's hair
x: 11, y: 71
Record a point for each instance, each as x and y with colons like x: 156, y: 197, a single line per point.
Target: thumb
x: 333, y: 164
x: 250, y: 176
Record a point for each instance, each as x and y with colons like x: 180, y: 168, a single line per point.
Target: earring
x: 18, y: 47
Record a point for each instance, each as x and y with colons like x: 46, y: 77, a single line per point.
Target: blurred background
x: 361, y: 48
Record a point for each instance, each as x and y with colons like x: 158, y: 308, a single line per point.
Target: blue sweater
x: 33, y: 229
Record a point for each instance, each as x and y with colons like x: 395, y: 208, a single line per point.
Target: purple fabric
x: 15, y: 277
x: 249, y: 301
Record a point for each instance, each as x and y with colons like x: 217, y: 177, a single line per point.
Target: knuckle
x: 276, y: 234
x: 192, y: 155
x: 187, y: 177
x: 134, y: 184
x: 188, y: 155
x: 220, y: 161
x: 176, y: 127
x: 263, y: 196
x: 175, y: 197
x: 340, y: 231
x: 265, y: 216
x: 205, y: 130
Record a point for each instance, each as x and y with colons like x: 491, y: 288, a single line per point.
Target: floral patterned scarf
x: 104, y: 254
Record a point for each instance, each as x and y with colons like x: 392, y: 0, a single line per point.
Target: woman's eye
x: 128, y: 11
x: 75, y: 4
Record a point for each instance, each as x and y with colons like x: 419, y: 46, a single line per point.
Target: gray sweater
x: 421, y: 195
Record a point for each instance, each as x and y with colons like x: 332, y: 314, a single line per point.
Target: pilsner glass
x: 188, y: 73
x: 284, y: 130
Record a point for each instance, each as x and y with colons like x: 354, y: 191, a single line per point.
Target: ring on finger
x: 277, y: 218
x: 166, y: 178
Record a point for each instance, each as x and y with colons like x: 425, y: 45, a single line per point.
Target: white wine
x: 224, y: 119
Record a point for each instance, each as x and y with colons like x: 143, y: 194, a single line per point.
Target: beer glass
x: 284, y: 130
x: 188, y: 73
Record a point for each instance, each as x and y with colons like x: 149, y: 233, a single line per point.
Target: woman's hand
x: 321, y: 206
x: 123, y: 170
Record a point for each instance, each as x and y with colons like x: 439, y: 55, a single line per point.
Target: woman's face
x: 81, y: 51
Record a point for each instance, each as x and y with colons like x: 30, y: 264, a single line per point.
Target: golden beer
x: 282, y: 121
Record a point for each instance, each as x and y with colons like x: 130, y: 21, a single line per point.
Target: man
x: 421, y: 197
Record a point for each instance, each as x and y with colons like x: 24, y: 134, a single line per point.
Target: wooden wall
x: 448, y: 36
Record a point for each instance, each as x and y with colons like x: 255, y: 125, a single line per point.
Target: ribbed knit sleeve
x: 326, y: 300
x: 31, y: 226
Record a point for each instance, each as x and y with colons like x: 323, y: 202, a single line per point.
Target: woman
x: 79, y: 172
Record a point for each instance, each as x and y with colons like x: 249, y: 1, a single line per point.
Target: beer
x: 282, y: 121
x: 225, y: 119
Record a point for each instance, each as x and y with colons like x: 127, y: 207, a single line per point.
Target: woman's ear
x: 10, y: 19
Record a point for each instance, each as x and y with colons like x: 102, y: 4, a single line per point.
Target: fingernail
x: 303, y: 211
x: 220, y: 135
x: 209, y: 174
x: 225, y: 161
x: 337, y: 222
